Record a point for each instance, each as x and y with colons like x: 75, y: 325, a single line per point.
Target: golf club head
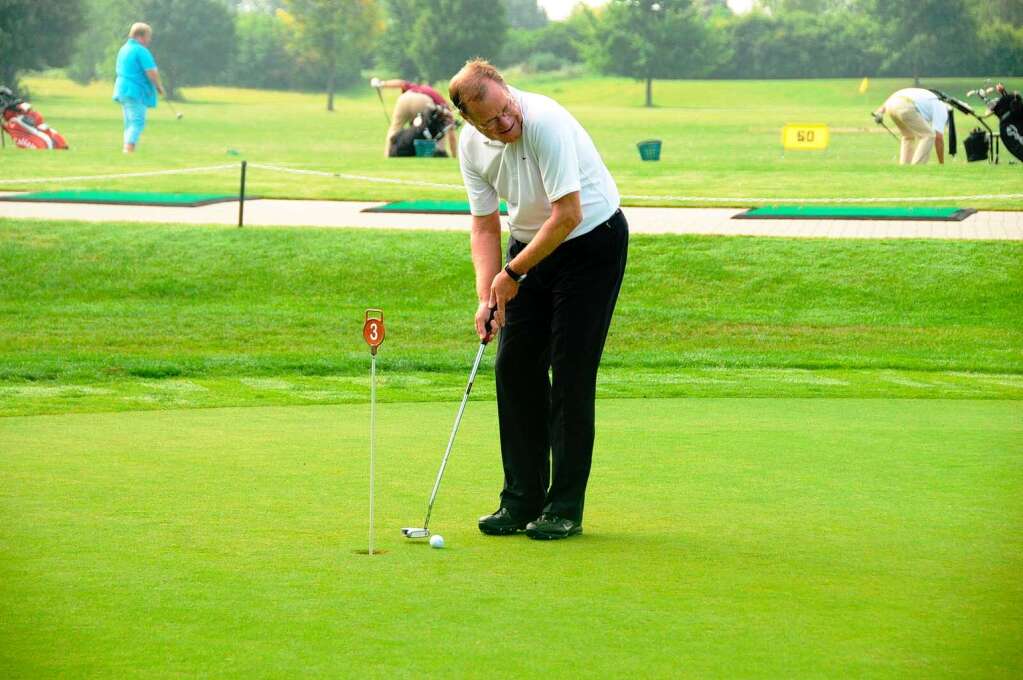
x: 415, y: 532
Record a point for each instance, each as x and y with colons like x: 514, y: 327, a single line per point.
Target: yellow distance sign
x: 805, y: 136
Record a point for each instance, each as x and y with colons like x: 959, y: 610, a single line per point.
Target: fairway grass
x: 100, y: 317
x: 721, y: 139
x: 723, y: 538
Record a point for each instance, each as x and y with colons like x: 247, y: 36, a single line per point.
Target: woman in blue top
x: 137, y: 83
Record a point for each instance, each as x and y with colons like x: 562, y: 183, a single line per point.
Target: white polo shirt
x: 927, y: 104
x: 553, y: 157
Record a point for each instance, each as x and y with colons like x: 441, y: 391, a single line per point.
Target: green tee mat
x: 437, y: 207
x: 825, y: 212
x: 124, y: 198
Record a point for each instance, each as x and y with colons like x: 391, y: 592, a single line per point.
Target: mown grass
x: 721, y: 139
x: 97, y: 303
x: 723, y: 538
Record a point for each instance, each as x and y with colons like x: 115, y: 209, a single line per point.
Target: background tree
x: 525, y: 14
x: 648, y: 39
x: 392, y: 50
x: 36, y: 35
x: 448, y: 32
x: 832, y: 44
x: 261, y: 57
x: 999, y: 12
x: 778, y: 7
x: 193, y: 40
x: 716, y: 9
x: 105, y: 28
x: 334, y: 35
x: 928, y: 37
x: 557, y: 44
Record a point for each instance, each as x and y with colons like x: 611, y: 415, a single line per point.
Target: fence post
x: 241, y: 197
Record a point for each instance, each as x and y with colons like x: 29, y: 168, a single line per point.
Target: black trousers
x: 547, y: 359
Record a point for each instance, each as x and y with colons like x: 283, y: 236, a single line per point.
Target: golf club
x: 424, y: 531
x: 177, y: 115
x: 880, y: 121
x: 381, y: 95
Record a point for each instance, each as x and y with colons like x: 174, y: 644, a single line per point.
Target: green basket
x: 650, y: 150
x: 425, y: 148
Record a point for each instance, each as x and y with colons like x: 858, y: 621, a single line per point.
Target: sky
x: 560, y: 9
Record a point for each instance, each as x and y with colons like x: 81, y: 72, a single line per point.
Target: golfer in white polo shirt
x: 921, y: 118
x: 554, y: 296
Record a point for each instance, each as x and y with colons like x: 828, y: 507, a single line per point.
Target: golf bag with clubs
x: 1008, y: 108
x: 25, y: 125
x: 433, y: 124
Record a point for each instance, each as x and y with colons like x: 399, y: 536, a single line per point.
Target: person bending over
x: 414, y: 100
x: 921, y: 118
x: 554, y: 297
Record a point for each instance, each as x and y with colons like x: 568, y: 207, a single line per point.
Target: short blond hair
x: 470, y: 83
x: 139, y: 29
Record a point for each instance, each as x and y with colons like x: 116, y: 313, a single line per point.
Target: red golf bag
x: 26, y: 126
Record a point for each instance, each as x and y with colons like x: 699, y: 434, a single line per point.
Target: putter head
x: 415, y: 532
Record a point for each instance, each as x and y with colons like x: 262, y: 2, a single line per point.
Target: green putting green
x: 122, y: 198
x: 755, y: 538
x: 845, y: 212
x: 438, y: 207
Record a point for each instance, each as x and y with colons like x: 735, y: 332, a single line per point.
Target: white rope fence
x: 739, y: 200
x: 358, y: 178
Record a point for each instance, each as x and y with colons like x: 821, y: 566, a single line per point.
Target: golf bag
x: 25, y: 125
x: 1009, y: 109
x: 433, y: 124
x: 978, y: 145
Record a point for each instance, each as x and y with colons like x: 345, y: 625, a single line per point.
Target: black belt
x: 609, y: 222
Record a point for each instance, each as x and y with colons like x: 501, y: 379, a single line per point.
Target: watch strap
x: 515, y: 276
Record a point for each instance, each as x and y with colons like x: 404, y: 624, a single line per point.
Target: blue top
x: 133, y: 60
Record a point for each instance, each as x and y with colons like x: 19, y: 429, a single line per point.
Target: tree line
x: 327, y: 45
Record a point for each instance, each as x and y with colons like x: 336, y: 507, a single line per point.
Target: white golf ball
x: 436, y: 541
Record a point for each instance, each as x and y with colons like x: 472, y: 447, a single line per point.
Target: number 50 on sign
x: 805, y: 136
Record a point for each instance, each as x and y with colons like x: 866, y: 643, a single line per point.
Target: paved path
x: 266, y: 212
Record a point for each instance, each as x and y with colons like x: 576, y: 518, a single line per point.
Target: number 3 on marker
x: 373, y: 328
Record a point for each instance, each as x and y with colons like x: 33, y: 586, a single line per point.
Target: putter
x: 424, y: 531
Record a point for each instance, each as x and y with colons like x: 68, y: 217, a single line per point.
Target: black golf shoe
x: 502, y: 523
x: 550, y: 527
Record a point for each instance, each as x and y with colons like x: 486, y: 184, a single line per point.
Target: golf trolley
x: 25, y: 125
x: 1008, y: 108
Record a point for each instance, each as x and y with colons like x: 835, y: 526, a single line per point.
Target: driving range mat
x: 435, y: 207
x: 825, y: 212
x: 124, y: 198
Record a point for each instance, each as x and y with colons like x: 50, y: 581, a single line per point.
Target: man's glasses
x: 492, y: 123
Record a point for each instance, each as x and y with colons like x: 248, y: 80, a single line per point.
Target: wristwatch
x: 515, y: 276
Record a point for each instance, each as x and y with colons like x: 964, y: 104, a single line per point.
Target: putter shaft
x: 454, y: 431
